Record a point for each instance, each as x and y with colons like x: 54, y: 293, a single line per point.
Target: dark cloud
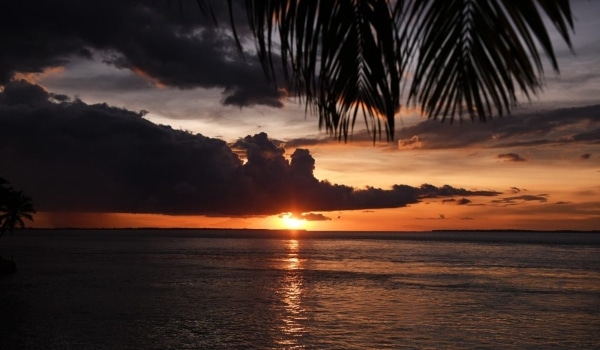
x: 430, y: 191
x: 515, y: 190
x: 510, y: 157
x: 79, y: 157
x: 306, y: 216
x: 171, y: 46
x: 542, y: 198
x: 260, y: 96
x: 558, y: 126
x: 585, y: 156
x: 357, y: 137
x: 23, y: 93
x: 549, y: 127
x: 463, y: 201
x: 304, y: 142
x: 314, y: 217
x: 466, y: 218
x: 73, y: 156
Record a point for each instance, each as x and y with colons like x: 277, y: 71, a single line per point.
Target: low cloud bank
x: 73, y: 156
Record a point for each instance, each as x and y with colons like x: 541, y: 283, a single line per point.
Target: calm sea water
x: 146, y: 289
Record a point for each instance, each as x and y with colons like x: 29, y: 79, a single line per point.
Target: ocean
x: 231, y: 289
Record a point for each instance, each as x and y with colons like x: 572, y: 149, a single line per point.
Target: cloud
x: 585, y: 156
x: 305, y: 216
x: 412, y: 143
x: 314, y: 217
x: 549, y: 127
x: 172, y: 43
x: 510, y: 157
x: 23, y: 93
x: 542, y: 198
x: 78, y: 157
x: 578, y: 125
x: 73, y: 156
x: 515, y: 190
x: 162, y: 43
x: 305, y: 142
x: 439, y: 217
x: 430, y: 191
x: 463, y: 201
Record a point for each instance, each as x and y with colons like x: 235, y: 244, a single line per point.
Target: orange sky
x: 554, y: 187
x: 544, y: 160
x: 426, y: 216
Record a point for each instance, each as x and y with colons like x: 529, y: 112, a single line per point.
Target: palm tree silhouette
x: 449, y: 58
x: 15, y: 206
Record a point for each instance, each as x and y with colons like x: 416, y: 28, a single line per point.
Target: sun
x: 291, y: 222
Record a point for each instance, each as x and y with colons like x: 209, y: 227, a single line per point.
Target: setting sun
x: 291, y: 222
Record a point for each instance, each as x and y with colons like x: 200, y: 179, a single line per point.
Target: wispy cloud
x: 542, y: 198
x: 515, y: 190
x: 559, y: 126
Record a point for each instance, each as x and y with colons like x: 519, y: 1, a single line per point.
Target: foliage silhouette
x: 450, y: 58
x: 15, y: 206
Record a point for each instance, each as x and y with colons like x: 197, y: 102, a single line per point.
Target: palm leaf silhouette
x: 456, y: 58
x: 14, y: 207
x: 474, y: 56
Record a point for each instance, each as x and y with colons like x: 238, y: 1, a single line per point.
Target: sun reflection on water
x: 291, y: 290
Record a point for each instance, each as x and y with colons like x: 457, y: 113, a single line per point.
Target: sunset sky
x: 136, y: 114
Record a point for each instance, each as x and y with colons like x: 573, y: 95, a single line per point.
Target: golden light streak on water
x: 293, y: 314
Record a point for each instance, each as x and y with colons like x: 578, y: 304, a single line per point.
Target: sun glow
x: 291, y: 222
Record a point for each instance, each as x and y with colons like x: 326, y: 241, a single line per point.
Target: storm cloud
x: 73, y: 156
x: 171, y: 46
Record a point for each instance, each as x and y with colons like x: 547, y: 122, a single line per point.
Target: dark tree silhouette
x: 450, y: 58
x: 15, y: 206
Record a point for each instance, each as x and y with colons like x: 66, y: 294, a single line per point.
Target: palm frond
x: 14, y: 207
x: 465, y: 57
x: 474, y: 57
x: 339, y: 56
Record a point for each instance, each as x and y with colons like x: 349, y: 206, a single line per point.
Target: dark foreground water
x: 240, y: 290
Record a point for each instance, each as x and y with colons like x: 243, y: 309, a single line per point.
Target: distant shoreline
x: 481, y: 236
x: 297, y: 230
